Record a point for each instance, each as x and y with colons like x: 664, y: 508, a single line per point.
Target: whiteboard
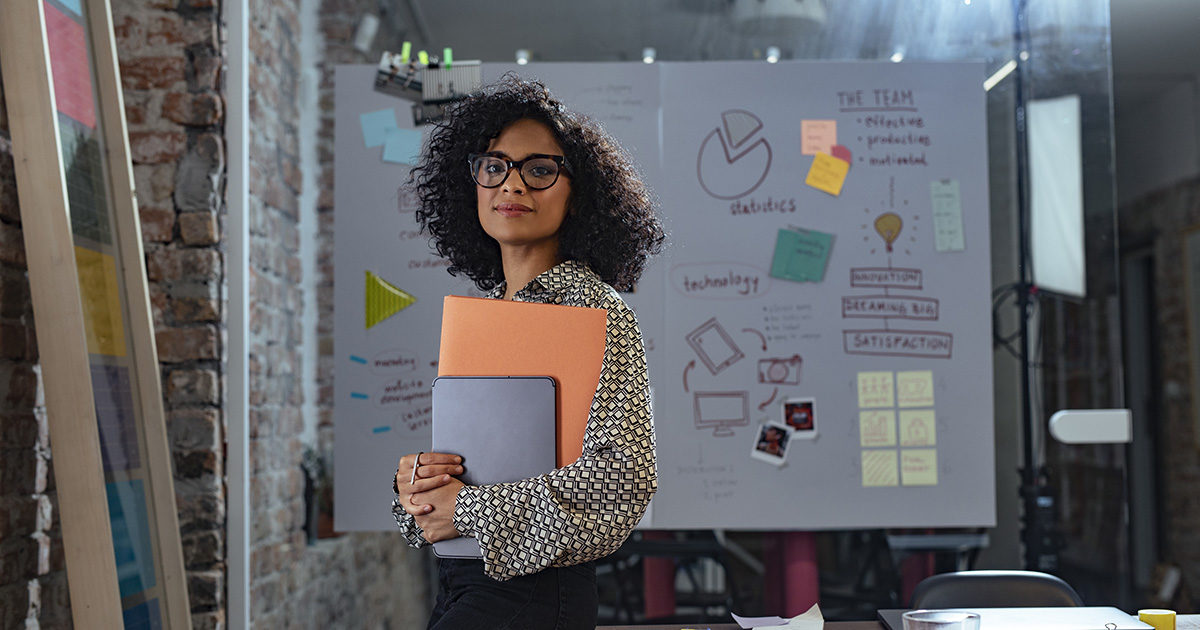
x: 804, y: 376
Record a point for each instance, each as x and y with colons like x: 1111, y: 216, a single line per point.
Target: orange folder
x: 486, y: 337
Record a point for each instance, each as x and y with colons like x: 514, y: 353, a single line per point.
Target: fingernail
x: 445, y: 477
x: 426, y: 508
x: 458, y: 469
x: 457, y: 459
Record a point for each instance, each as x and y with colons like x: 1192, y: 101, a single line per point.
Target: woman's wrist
x: 465, y: 503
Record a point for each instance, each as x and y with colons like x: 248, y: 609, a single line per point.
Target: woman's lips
x: 513, y: 209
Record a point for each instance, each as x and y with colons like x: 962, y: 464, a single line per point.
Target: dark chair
x: 993, y: 589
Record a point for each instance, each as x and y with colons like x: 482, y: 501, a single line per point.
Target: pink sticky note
x: 840, y: 152
x: 817, y: 136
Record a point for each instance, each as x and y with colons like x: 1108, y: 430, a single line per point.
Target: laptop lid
x: 502, y: 426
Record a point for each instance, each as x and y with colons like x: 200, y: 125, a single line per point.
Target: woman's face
x: 512, y: 213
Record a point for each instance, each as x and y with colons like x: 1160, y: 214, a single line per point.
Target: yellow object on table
x: 1159, y: 618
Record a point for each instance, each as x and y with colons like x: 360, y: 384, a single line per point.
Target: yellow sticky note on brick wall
x: 827, y: 174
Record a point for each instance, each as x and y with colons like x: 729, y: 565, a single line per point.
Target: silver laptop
x: 502, y: 426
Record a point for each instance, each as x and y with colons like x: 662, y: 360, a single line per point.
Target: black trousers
x: 552, y: 599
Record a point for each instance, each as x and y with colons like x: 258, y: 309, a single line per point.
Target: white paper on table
x: 809, y: 620
x: 1187, y: 622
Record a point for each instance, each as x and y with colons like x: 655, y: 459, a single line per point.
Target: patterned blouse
x: 586, y: 509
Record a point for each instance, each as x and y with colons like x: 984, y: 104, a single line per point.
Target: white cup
x: 940, y: 620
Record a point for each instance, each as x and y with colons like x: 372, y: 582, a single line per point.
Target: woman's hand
x: 433, y: 470
x: 437, y: 523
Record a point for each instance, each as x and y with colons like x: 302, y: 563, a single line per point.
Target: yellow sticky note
x: 875, y: 389
x: 879, y: 469
x: 827, y: 174
x: 817, y: 136
x: 918, y: 427
x: 918, y: 467
x: 101, y: 299
x: 877, y: 427
x: 915, y: 389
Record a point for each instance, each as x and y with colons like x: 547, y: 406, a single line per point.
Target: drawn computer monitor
x: 720, y: 411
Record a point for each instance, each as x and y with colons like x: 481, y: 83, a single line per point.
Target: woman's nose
x: 513, y: 183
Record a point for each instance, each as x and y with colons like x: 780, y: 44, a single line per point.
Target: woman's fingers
x: 434, y: 470
x: 425, y: 484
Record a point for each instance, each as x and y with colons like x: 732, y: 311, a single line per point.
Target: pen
x: 416, y: 463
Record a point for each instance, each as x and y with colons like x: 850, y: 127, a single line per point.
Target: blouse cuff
x: 408, y: 525
x: 465, y: 507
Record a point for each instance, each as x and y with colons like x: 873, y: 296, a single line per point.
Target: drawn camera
x: 780, y: 370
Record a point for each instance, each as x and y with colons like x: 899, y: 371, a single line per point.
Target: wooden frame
x: 80, y: 335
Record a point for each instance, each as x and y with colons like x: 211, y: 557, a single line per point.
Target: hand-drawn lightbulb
x: 888, y: 225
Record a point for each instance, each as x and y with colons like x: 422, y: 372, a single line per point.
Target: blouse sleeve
x: 586, y: 509
x: 408, y: 525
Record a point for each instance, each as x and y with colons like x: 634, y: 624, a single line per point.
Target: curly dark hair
x: 611, y: 225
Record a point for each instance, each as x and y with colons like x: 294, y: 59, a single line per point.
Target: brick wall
x: 170, y: 56
x: 356, y: 581
x: 33, y: 582
x: 1158, y: 220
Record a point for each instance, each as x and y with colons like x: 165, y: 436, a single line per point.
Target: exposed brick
x: 148, y: 33
x: 155, y: 182
x: 194, y: 429
x: 206, y: 589
x: 158, y: 224
x: 187, y: 344
x: 18, y: 517
x: 170, y: 264
x: 12, y: 245
x: 23, y: 389
x: 197, y: 110
x: 17, y: 341
x: 195, y: 309
x: 18, y: 472
x: 198, y: 228
x: 203, y: 70
x: 203, y: 550
x: 197, y: 182
x: 152, y: 72
x: 192, y: 386
x: 195, y: 463
x: 14, y: 604
x: 156, y: 147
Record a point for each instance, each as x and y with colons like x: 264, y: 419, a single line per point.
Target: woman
x: 537, y: 204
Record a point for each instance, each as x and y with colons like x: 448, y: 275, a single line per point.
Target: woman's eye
x: 540, y: 171
x: 493, y: 168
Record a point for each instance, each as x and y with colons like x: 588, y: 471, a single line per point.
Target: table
x: 830, y: 625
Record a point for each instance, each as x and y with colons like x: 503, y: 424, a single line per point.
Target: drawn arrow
x: 768, y: 401
x: 691, y: 364
x: 760, y: 336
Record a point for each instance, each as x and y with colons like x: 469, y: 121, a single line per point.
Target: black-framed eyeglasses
x: 538, y: 171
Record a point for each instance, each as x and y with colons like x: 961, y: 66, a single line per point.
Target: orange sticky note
x: 827, y: 174
x: 485, y: 337
x: 817, y: 136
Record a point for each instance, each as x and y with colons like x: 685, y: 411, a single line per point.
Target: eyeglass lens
x: 537, y: 173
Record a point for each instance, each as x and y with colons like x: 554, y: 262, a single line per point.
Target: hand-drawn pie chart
x: 734, y: 158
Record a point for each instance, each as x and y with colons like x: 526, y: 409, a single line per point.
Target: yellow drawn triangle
x: 384, y: 300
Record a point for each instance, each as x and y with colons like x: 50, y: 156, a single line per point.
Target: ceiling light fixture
x: 773, y: 54
x: 522, y: 56
x: 999, y: 75
x: 648, y: 55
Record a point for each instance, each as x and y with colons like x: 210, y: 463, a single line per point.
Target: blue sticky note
x: 375, y: 126
x: 143, y: 616
x: 131, y: 536
x: 801, y: 255
x: 402, y: 146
